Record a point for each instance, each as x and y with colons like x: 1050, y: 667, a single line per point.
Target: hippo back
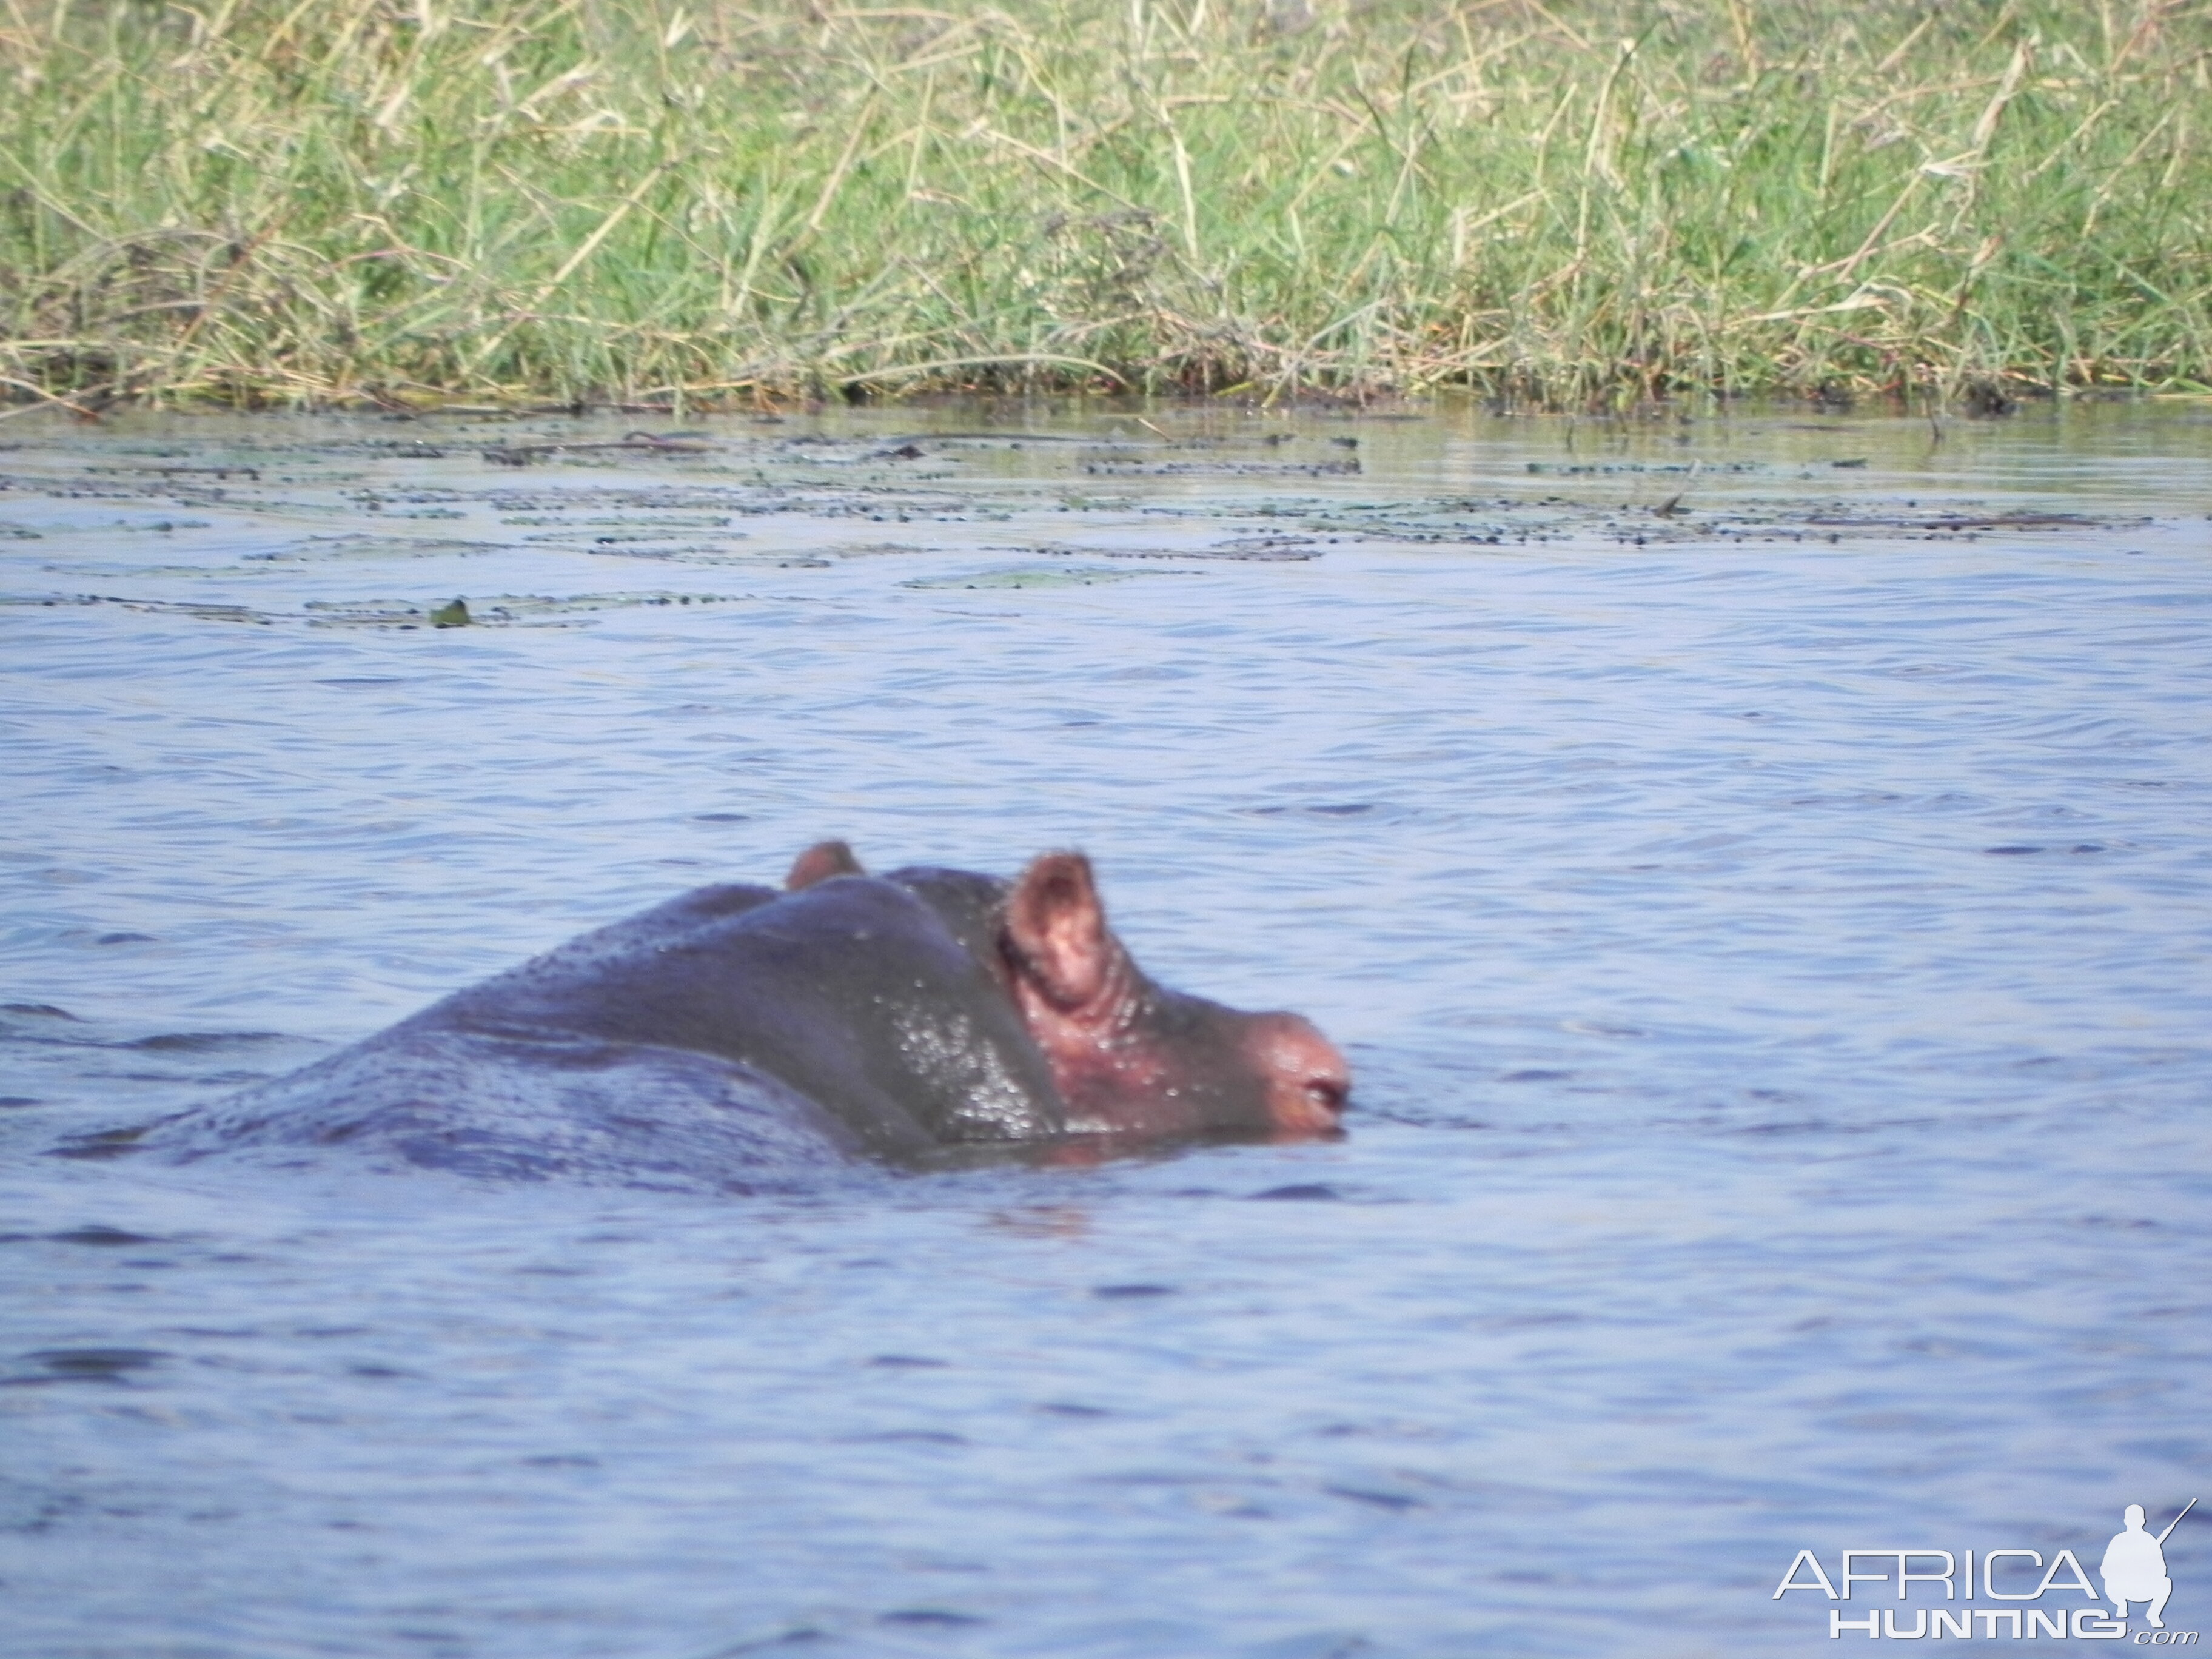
x: 733, y: 1027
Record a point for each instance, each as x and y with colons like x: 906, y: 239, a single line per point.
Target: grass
x: 643, y: 201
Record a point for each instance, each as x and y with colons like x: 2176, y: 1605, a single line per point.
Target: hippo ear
x: 819, y: 862
x: 1056, y: 929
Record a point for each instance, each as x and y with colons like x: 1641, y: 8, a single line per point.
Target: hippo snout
x: 1308, y: 1084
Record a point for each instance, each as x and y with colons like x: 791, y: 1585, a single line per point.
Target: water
x: 1757, y: 866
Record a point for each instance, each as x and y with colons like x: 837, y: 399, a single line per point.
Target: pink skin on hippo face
x: 1130, y: 1057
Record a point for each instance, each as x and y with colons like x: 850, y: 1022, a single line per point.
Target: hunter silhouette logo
x: 2133, y: 1571
x: 2134, y: 1567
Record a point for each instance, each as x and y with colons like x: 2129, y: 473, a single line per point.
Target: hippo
x: 903, y: 1019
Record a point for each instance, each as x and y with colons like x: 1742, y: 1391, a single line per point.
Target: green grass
x: 653, y: 202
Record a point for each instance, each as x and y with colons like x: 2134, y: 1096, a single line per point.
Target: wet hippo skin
x: 738, y: 1028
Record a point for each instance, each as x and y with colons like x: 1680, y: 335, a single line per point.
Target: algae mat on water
x: 644, y: 201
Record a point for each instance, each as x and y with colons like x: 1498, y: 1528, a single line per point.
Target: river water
x: 1757, y: 864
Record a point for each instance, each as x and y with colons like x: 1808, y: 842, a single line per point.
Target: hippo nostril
x: 1329, y: 1093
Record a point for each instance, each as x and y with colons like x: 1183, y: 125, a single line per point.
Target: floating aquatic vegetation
x: 1034, y: 576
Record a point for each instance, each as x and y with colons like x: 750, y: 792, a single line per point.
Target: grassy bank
x: 637, y: 200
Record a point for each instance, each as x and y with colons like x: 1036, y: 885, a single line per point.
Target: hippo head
x: 1128, y: 1056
